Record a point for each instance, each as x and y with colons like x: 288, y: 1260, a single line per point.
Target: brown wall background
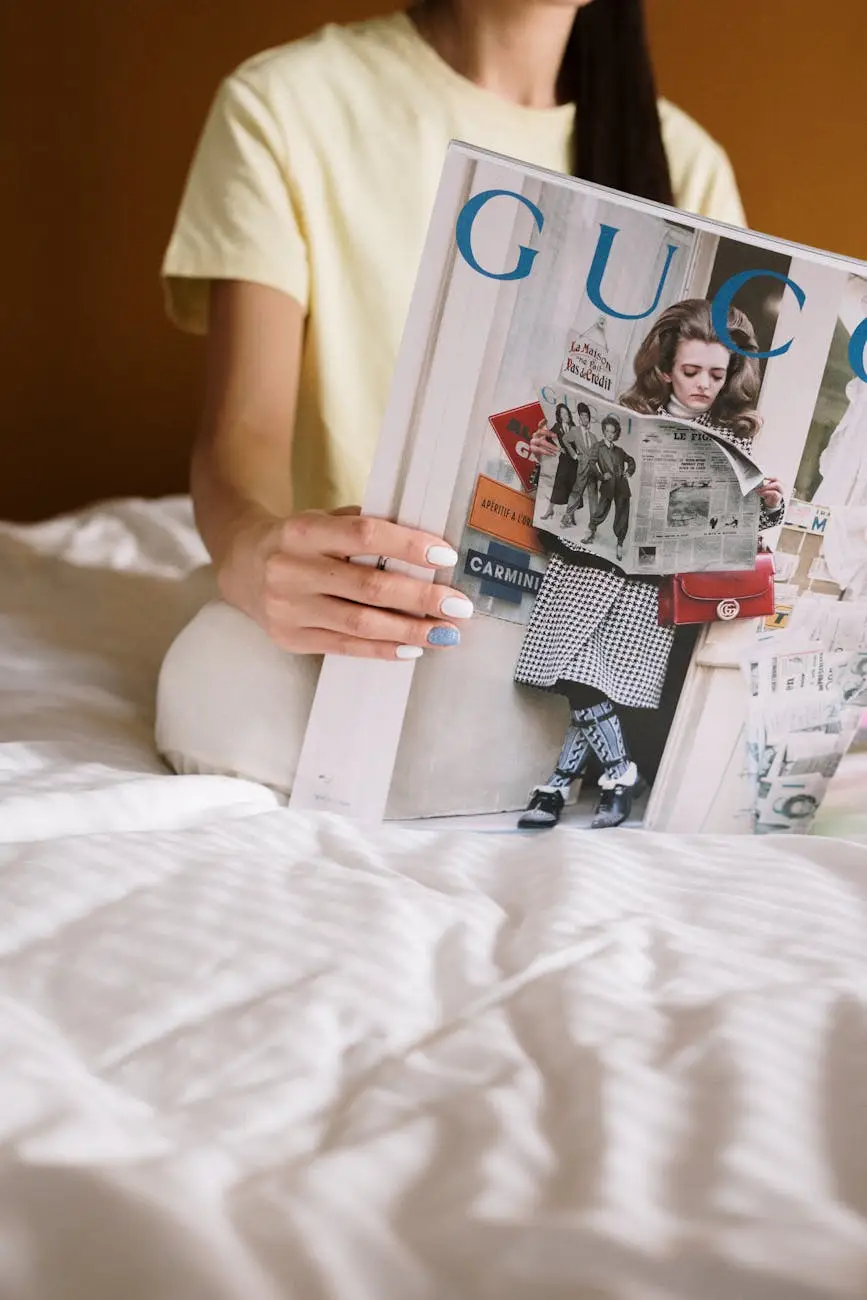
x: 102, y: 103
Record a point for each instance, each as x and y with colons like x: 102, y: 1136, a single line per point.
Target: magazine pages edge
x: 369, y: 697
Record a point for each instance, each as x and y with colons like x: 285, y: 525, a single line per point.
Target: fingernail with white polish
x: 443, y: 557
x: 456, y: 607
x: 408, y: 651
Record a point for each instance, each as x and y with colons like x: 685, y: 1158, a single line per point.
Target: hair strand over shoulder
x: 607, y: 72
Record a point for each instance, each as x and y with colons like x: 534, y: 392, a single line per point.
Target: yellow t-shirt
x: 316, y: 173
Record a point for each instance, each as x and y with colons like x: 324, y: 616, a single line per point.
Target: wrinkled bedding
x: 246, y: 1054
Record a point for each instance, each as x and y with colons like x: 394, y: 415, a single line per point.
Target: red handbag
x: 718, y: 597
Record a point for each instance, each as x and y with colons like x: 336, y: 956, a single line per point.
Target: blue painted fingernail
x: 443, y: 636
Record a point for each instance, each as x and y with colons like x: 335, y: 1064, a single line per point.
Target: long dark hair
x: 558, y: 416
x: 607, y: 73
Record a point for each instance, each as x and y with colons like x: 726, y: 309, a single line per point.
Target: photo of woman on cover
x: 567, y: 465
x: 594, y: 635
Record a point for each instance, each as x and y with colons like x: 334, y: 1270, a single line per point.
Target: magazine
x: 595, y: 397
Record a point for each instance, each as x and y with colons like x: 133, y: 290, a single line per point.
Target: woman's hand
x: 543, y: 442
x: 294, y: 578
x: 772, y: 493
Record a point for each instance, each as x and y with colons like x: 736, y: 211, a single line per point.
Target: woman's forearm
x: 240, y: 472
x: 227, y: 502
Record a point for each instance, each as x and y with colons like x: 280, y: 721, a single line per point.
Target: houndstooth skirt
x: 598, y: 629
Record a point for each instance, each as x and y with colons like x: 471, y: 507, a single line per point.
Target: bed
x: 248, y: 1054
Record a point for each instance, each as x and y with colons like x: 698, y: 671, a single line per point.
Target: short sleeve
x: 702, y: 176
x: 720, y: 198
x: 238, y: 218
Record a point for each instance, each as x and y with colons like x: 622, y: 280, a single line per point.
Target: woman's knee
x: 229, y: 701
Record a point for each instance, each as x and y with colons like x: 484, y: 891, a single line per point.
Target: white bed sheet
x: 248, y: 1055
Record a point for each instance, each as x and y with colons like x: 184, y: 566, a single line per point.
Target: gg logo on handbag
x: 728, y: 609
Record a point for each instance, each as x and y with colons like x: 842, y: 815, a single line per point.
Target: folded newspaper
x: 679, y: 498
x: 593, y: 393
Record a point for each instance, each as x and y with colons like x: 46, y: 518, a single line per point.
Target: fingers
x: 542, y: 446
x: 358, y: 601
x: 293, y: 579
x: 365, y: 622
x: 393, y: 591
x: 314, y: 601
x: 311, y: 641
x: 348, y: 536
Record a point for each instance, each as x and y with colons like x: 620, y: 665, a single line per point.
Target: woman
x: 567, y: 465
x: 295, y: 250
x: 594, y: 635
x: 682, y: 369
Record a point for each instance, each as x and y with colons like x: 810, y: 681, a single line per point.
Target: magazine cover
x: 645, y: 435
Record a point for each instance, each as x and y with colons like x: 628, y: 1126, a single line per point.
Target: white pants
x: 230, y: 702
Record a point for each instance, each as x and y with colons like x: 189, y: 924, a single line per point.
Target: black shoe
x: 543, y: 810
x: 615, y: 805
